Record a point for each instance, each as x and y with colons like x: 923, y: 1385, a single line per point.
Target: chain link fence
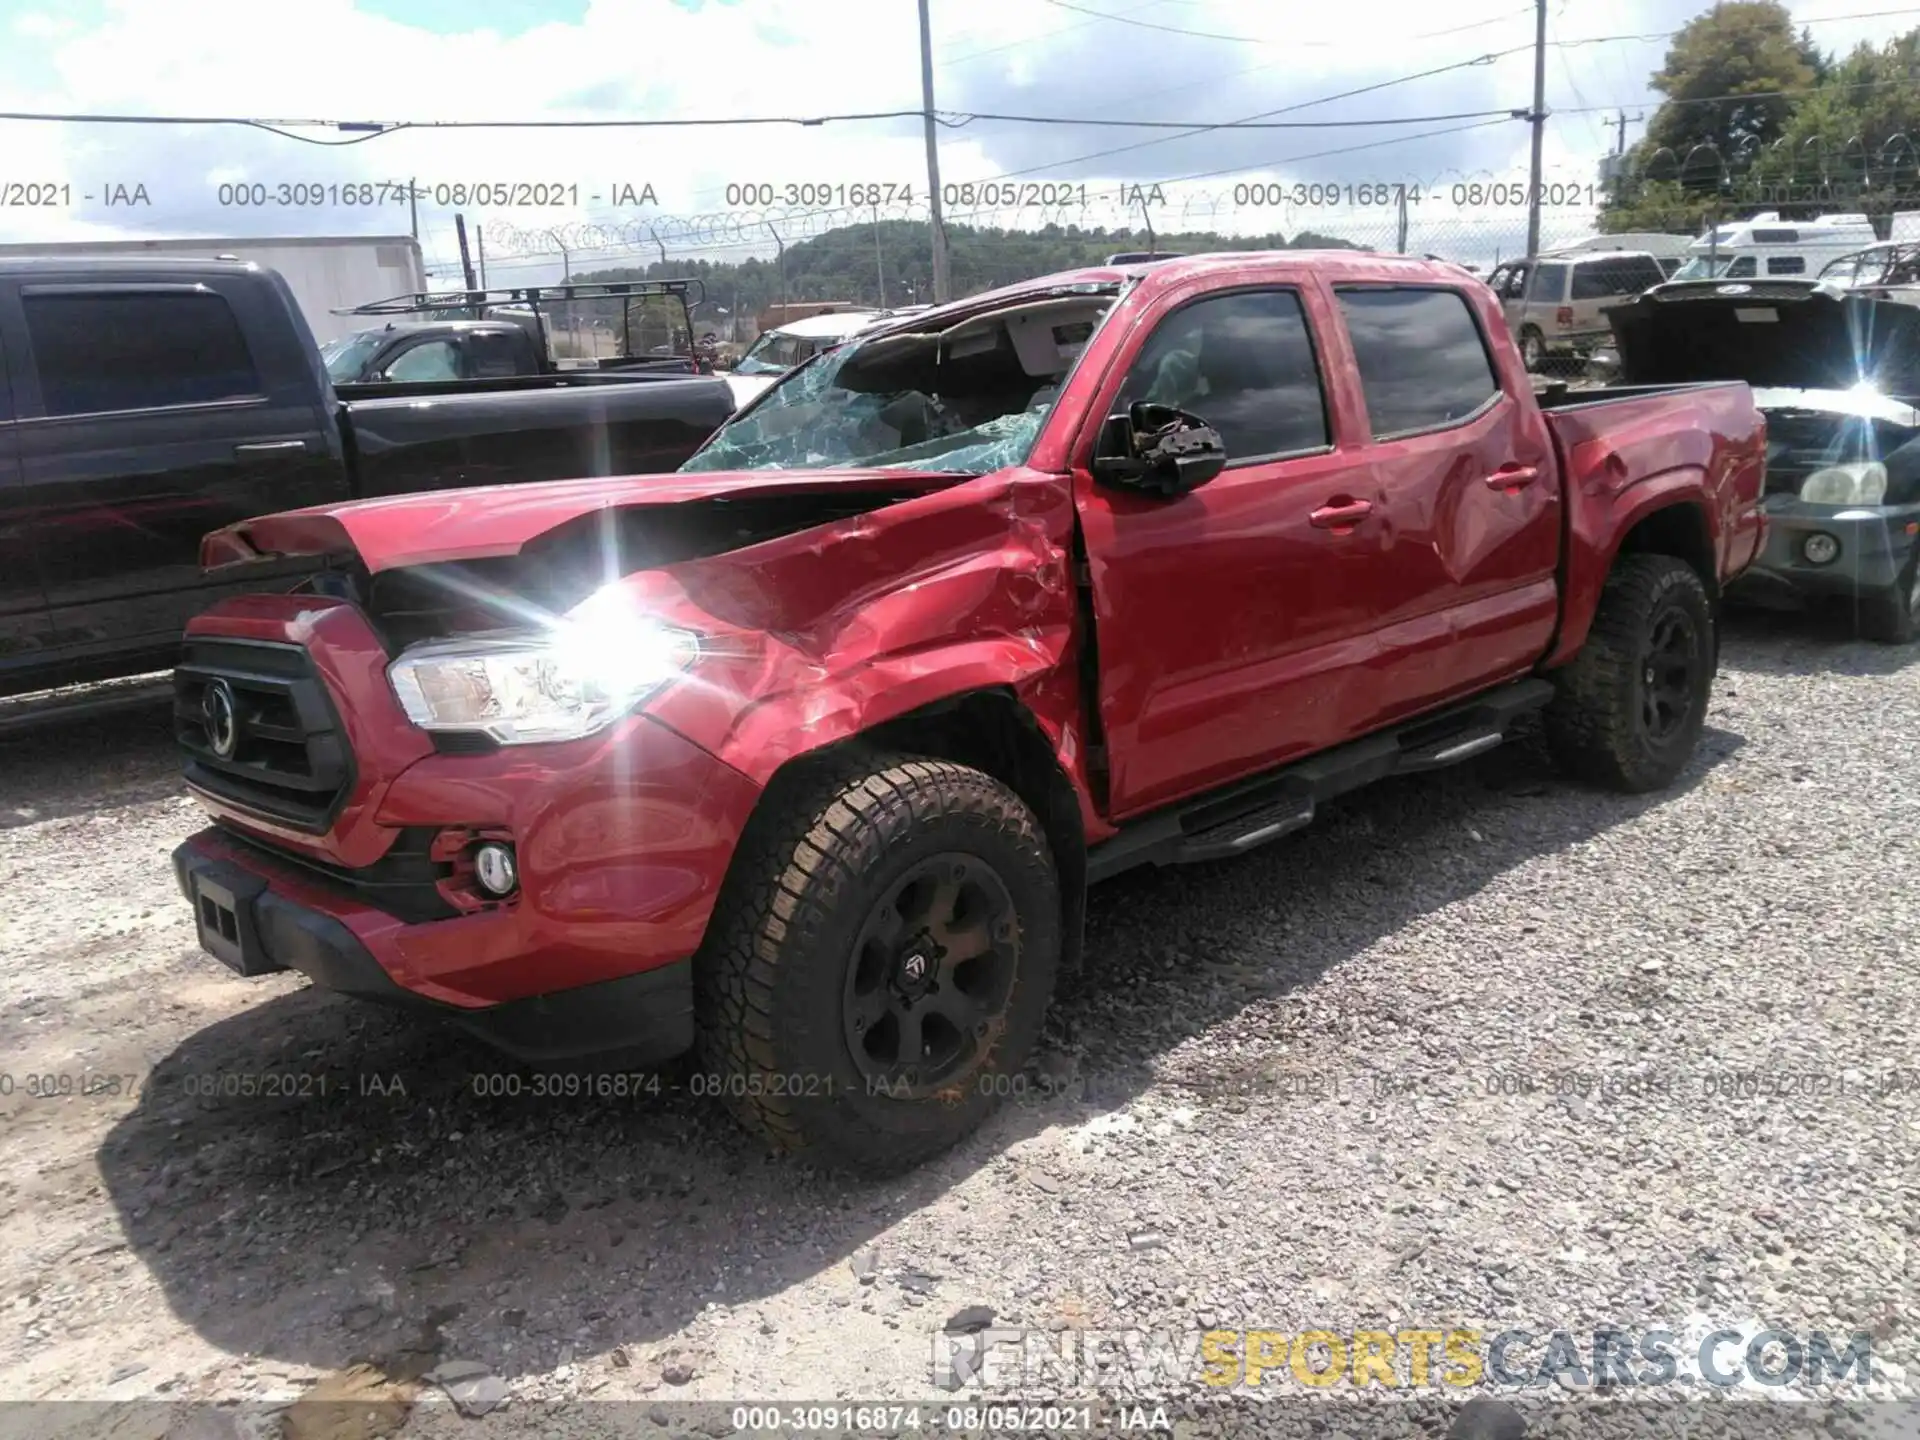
x: 881, y: 255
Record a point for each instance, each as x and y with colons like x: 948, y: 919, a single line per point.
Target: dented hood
x: 452, y: 525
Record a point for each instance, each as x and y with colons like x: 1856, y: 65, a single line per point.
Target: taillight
x: 1563, y: 316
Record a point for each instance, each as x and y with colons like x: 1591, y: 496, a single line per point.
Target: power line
x: 1268, y: 114
x: 1165, y: 29
x: 1505, y: 113
x: 1323, y: 154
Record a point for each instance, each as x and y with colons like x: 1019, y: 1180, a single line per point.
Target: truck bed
x: 580, y: 379
x: 1624, y: 449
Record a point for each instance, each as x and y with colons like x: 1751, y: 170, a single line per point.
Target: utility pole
x: 1403, y: 220
x: 1539, y: 118
x: 566, y: 278
x: 879, y: 259
x: 938, y: 225
x: 413, y: 206
x: 480, y: 244
x: 466, y: 260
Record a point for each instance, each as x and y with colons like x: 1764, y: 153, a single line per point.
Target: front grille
x: 291, y: 762
x: 403, y: 883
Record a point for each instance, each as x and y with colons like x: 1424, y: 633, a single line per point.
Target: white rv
x: 1767, y: 247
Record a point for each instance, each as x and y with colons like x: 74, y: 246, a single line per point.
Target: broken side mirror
x: 1157, y: 450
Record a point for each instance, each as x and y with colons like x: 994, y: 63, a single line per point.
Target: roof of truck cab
x: 1350, y: 265
x: 27, y: 266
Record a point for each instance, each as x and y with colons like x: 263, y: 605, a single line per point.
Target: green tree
x: 1724, y: 76
x: 1858, y: 115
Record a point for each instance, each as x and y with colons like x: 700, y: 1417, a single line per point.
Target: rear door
x: 23, y: 600
x: 1464, y: 466
x: 149, y: 417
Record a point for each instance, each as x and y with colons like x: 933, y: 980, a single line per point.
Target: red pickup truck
x: 802, y: 758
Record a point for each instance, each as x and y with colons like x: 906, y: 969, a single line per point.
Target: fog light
x: 494, y: 868
x: 1820, y: 549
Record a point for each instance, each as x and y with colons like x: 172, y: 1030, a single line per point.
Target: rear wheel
x: 880, y: 965
x: 1631, y: 705
x: 1533, y: 349
x: 1892, y: 617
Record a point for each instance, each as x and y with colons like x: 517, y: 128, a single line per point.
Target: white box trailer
x: 326, y: 273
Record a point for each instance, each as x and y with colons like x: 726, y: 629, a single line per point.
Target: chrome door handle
x: 1341, y: 514
x: 1513, y: 478
x: 262, y: 447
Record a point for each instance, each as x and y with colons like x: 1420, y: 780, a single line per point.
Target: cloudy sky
x: 1199, y: 61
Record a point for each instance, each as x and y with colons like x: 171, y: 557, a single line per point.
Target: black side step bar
x: 1231, y: 822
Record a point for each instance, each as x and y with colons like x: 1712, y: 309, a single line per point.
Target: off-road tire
x: 1892, y: 617
x: 822, y: 850
x: 1595, y: 725
x: 1533, y: 350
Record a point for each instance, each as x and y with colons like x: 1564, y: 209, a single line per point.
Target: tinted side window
x: 493, y: 356
x: 1422, y: 361
x: 106, y: 352
x: 1741, y: 267
x: 1245, y: 364
x: 1606, y: 278
x: 1549, y: 284
x: 1786, y: 265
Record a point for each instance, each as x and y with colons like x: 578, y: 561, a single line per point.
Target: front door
x: 23, y: 600
x: 146, y: 421
x: 1229, y: 620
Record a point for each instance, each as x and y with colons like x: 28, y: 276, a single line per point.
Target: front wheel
x: 1630, y: 707
x: 882, y: 958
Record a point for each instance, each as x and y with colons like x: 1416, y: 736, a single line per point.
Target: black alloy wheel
x: 931, y: 976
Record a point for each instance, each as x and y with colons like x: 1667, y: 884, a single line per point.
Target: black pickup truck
x: 499, y: 333
x: 146, y: 402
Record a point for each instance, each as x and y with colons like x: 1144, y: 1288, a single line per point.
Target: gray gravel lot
x: 1317, y: 1088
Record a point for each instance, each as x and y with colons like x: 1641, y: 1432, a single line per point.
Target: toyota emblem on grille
x: 1734, y: 290
x: 221, y: 717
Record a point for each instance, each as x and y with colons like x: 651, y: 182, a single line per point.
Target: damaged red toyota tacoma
x: 801, y: 759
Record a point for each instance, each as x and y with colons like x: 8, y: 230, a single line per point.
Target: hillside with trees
x: 891, y: 263
x: 1757, y: 114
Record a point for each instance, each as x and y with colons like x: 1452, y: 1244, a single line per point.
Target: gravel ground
x: 1289, y: 1092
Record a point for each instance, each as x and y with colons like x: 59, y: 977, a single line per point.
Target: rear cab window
x: 96, y: 352
x: 1424, y: 365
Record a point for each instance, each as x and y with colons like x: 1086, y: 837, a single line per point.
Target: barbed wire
x: 1262, y: 207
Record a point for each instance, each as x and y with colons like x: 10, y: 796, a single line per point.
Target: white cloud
x: 327, y: 59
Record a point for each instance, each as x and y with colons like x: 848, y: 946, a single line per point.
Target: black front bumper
x: 1874, y: 546
x: 640, y: 1020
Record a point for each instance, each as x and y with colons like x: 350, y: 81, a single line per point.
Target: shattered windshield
x: 967, y: 401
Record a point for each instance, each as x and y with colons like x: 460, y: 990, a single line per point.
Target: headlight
x: 525, y: 687
x: 1864, y: 484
